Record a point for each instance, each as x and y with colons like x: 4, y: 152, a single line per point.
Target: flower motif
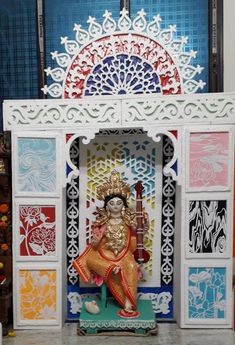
x: 4, y: 208
x: 97, y: 279
x: 30, y: 214
x: 195, y: 291
x: 44, y: 238
x: 4, y: 218
x: 217, y: 280
x: 200, y: 277
x: 4, y: 247
x: 3, y: 225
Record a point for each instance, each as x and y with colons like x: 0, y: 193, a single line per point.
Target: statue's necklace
x: 116, y: 237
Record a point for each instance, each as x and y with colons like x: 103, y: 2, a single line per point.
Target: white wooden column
x: 37, y: 229
x: 206, y: 214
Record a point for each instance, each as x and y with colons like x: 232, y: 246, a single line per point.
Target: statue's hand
x: 96, y: 235
x: 95, y: 240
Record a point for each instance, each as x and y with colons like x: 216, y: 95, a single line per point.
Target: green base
x: 108, y: 320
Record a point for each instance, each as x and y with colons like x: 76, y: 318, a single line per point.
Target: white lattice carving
x: 160, y: 302
x: 138, y: 40
x: 168, y: 215
x: 50, y: 113
x: 120, y: 111
x: 214, y: 107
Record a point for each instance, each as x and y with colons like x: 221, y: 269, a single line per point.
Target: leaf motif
x: 43, y: 218
x: 36, y: 248
x: 22, y: 237
x: 49, y: 225
x: 50, y: 254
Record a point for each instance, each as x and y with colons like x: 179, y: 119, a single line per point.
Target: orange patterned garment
x: 101, y: 260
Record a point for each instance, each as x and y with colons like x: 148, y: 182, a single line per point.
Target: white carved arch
x: 86, y: 135
x: 155, y: 133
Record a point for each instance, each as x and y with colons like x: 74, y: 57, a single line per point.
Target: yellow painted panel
x: 37, y: 294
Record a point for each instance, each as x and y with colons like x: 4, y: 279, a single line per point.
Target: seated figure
x: 109, y: 256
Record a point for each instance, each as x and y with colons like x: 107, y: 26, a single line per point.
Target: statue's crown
x: 113, y: 186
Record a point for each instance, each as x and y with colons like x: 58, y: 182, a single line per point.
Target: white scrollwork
x: 153, y: 27
x: 86, y: 136
x: 57, y: 74
x: 71, y: 46
x: 120, y: 112
x: 160, y: 302
x: 75, y: 302
x: 62, y: 114
x: 62, y: 59
x: 156, y: 133
x: 109, y: 24
x: 118, y: 324
x: 139, y: 23
x: 180, y: 110
x: 124, y: 22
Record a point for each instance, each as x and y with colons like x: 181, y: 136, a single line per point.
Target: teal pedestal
x: 108, y: 320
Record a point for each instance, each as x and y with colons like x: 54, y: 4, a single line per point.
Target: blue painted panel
x: 207, y: 293
x: 36, y: 165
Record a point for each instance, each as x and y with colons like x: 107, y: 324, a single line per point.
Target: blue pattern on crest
x: 122, y: 74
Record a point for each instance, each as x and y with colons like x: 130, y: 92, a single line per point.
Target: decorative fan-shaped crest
x: 123, y: 57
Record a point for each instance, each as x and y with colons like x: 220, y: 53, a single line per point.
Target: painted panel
x: 36, y: 165
x: 37, y: 230
x: 207, y: 293
x: 209, y: 159
x: 37, y: 294
x: 207, y: 226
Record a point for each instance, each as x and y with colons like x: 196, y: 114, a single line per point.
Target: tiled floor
x: 169, y: 334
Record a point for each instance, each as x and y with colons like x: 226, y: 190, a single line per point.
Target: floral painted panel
x: 36, y: 165
x: 208, y: 162
x: 207, y: 293
x: 37, y: 231
x: 37, y: 294
x: 207, y: 226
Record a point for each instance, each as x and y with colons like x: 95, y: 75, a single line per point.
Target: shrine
x: 124, y: 99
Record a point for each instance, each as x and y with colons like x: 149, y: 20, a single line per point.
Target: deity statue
x: 110, y: 258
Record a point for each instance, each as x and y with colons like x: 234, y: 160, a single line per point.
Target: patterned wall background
x: 18, y: 33
x: 135, y: 159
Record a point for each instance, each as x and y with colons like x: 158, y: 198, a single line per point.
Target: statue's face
x: 115, y: 205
